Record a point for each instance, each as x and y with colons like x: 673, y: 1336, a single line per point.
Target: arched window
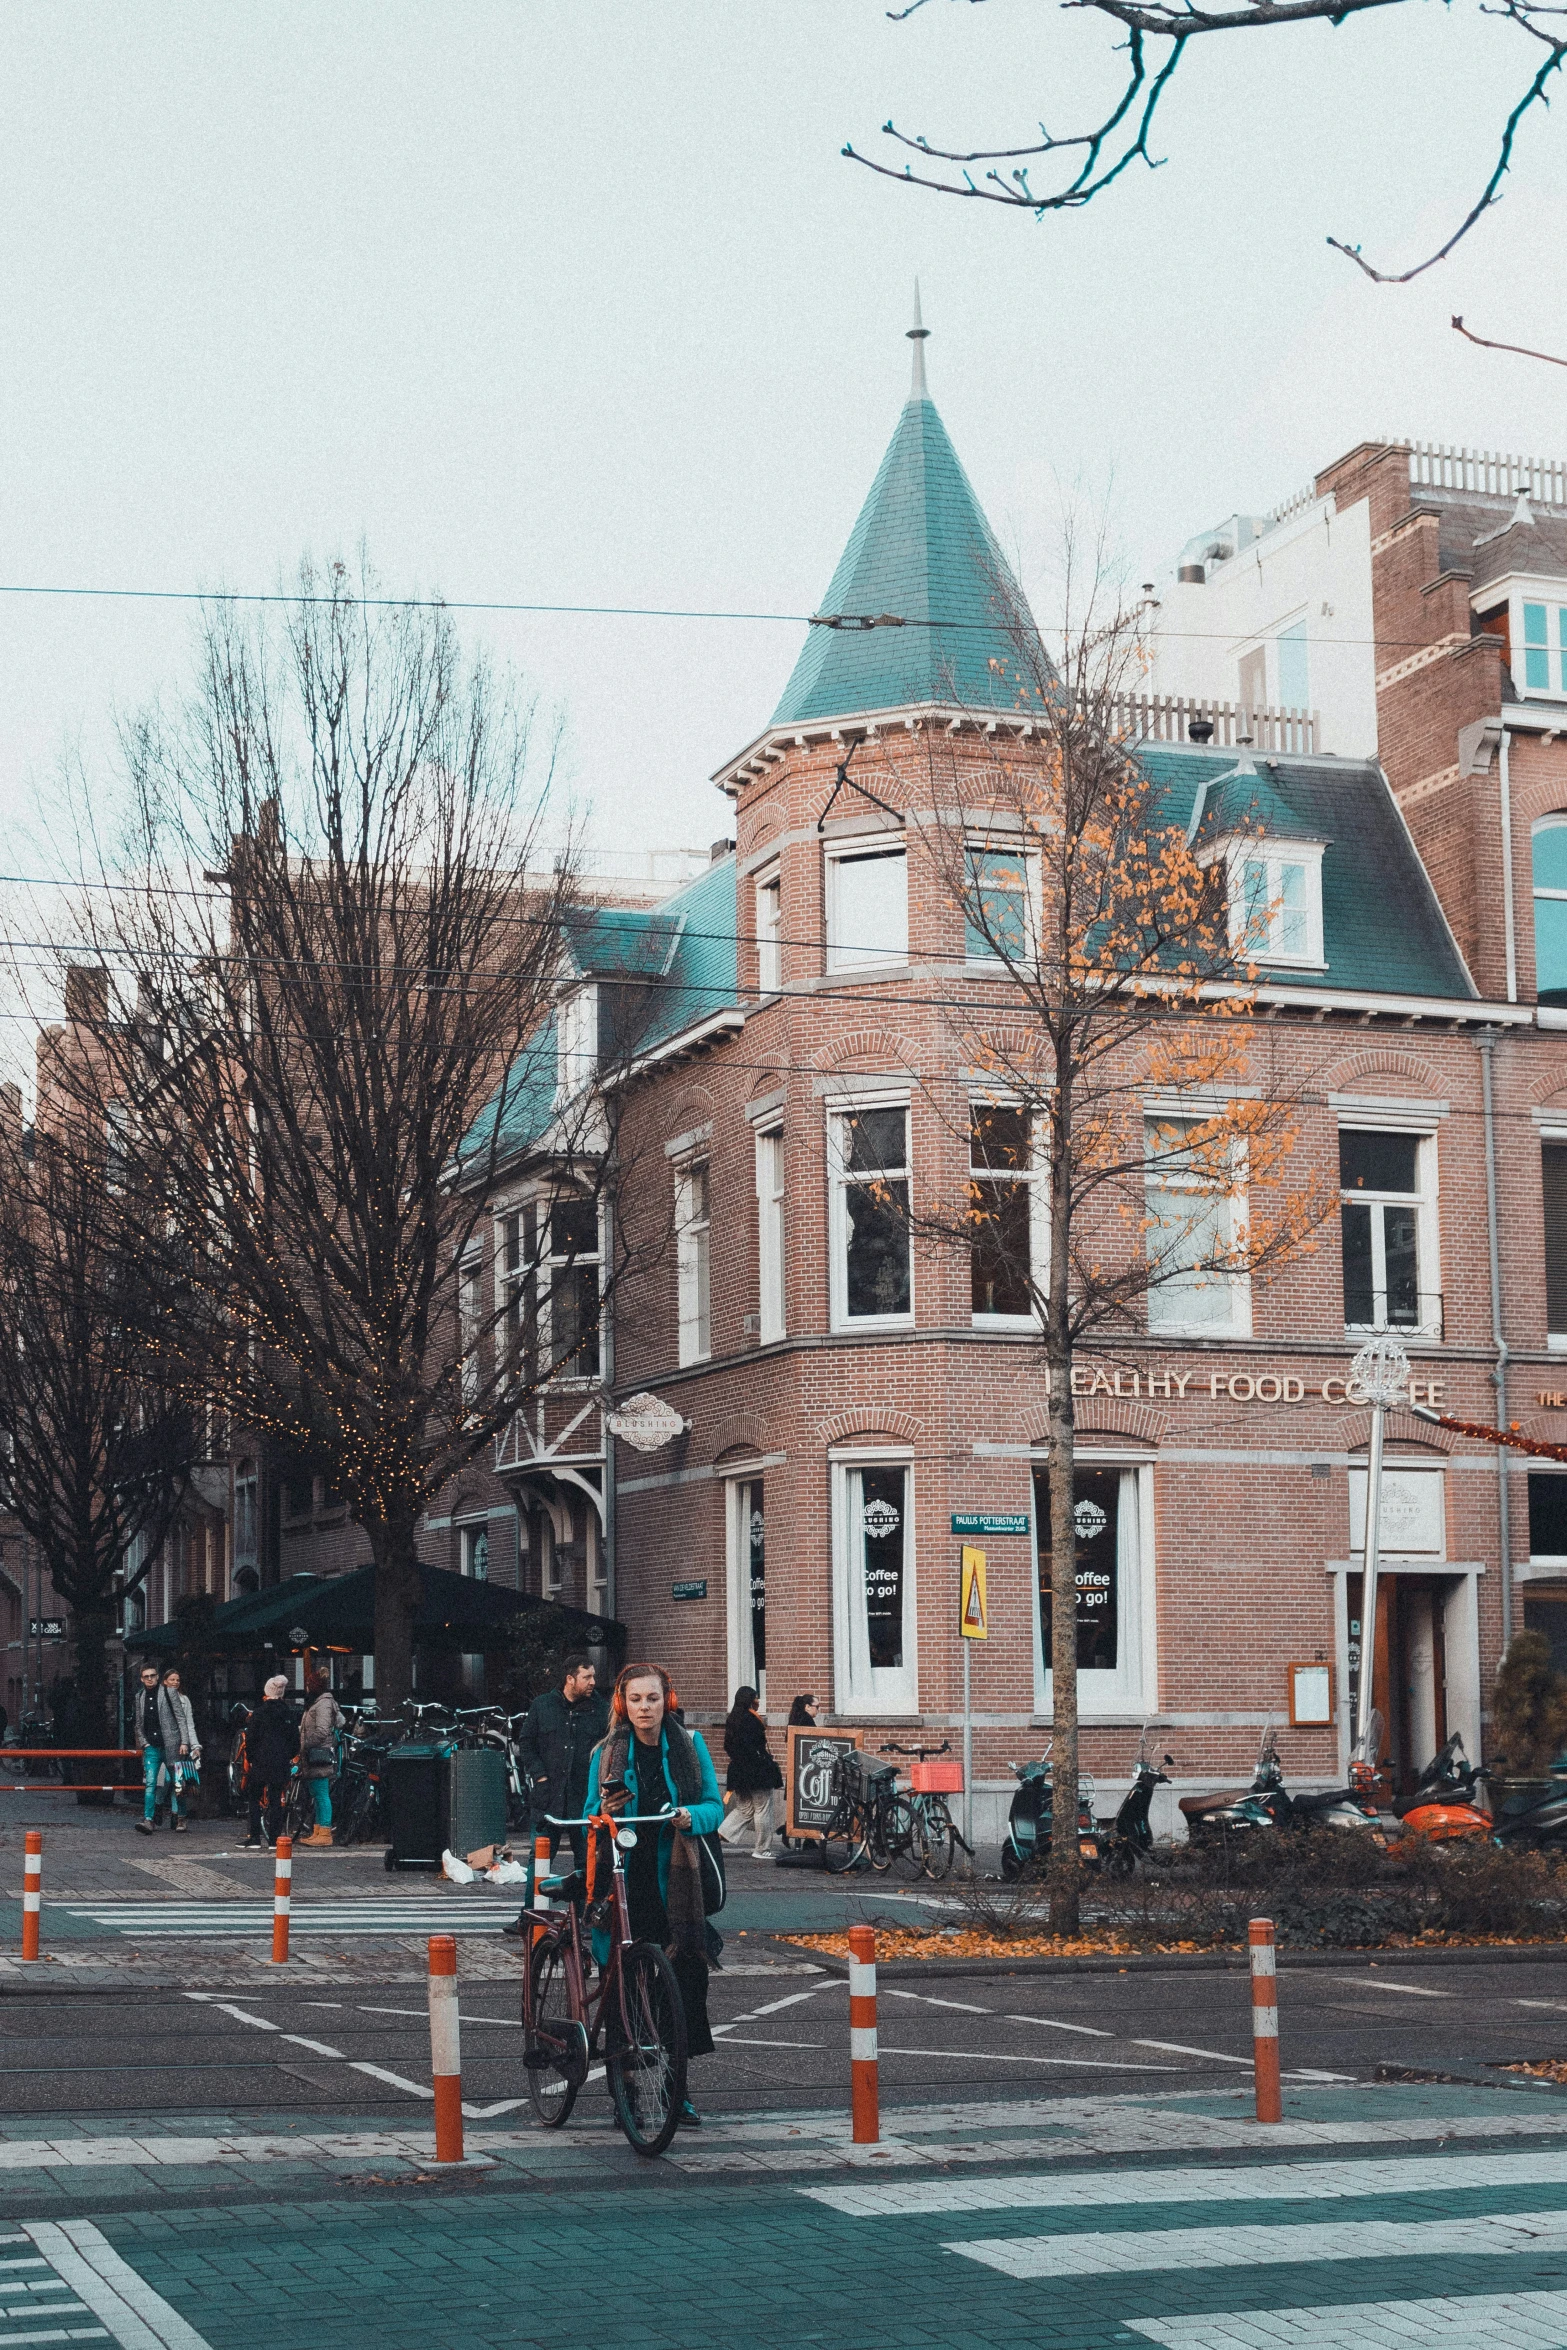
x: 1550, y: 910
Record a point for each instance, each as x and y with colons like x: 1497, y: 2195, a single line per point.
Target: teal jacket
x: 706, y: 1813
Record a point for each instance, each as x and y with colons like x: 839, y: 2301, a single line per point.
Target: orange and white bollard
x: 32, y: 1890
x: 862, y: 2035
x: 282, y: 1887
x: 1265, y: 2021
x: 445, y: 2048
x: 541, y: 1869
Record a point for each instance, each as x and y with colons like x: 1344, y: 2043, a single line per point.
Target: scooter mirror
x: 1169, y: 1758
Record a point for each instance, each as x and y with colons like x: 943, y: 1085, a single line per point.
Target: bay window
x: 570, y: 1280
x: 867, y: 904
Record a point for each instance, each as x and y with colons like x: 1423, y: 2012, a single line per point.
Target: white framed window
x: 867, y: 903
x: 872, y: 1267
x: 474, y: 1550
x: 516, y: 1262
x: 693, y: 1223
x: 875, y: 1642
x: 1275, y: 901
x: 597, y: 1567
x: 1542, y: 668
x: 1112, y: 1514
x: 1387, y: 1229
x: 769, y: 931
x: 549, y: 1257
x: 1005, y: 1198
x: 1553, y: 1186
x: 747, y: 1584
x: 770, y: 1233
x: 552, y: 1578
x: 999, y: 914
x: 576, y: 1043
x: 1194, y: 1220
x: 1549, y: 852
x: 470, y: 1316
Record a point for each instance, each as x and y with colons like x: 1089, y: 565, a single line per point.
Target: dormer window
x: 576, y: 1044
x: 1276, y: 903
x: 1545, y: 648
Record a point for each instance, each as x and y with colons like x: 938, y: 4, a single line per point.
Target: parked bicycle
x: 872, y: 1820
x: 933, y: 1831
x: 634, y: 2013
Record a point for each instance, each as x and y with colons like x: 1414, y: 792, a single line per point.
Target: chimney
x: 719, y: 850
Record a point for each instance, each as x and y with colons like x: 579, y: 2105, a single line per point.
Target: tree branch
x: 1519, y: 350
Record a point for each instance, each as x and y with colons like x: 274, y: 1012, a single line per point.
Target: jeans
x: 153, y: 1764
x: 321, y: 1793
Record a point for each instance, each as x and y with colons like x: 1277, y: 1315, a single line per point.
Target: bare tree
x: 1081, y: 163
x: 341, y: 935
x: 1114, y: 1057
x: 97, y: 1453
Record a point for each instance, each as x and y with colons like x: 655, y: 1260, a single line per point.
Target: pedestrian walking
x: 558, y: 1737
x: 651, y: 1763
x: 271, y: 1743
x: 318, y: 1736
x: 800, y: 1715
x: 752, y: 1776
x: 166, y: 1735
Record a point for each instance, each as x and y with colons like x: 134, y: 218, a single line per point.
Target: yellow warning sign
x: 974, y: 1612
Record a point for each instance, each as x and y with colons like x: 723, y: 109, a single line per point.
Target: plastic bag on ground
x: 456, y: 1871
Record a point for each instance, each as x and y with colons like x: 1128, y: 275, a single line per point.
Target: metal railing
x: 1488, y: 472
x: 1168, y: 718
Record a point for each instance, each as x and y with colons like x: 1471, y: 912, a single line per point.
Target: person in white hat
x: 271, y: 1743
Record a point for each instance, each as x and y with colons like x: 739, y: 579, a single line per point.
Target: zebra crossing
x: 355, y: 1917
x: 1187, y: 2256
x: 62, y: 2281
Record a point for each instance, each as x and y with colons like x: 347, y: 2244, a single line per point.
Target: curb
x: 1196, y: 1962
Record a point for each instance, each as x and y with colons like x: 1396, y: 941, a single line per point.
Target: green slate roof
x: 1383, y: 932
x: 923, y: 551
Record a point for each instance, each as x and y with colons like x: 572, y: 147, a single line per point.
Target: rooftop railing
x: 1169, y: 718
x: 1488, y: 473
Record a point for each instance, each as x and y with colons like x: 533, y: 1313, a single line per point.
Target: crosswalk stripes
x: 232, y: 1921
x: 1148, y: 2228
x: 83, y: 2262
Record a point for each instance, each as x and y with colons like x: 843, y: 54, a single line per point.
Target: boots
x: 319, y: 1836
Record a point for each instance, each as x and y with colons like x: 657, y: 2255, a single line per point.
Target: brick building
x: 842, y: 1402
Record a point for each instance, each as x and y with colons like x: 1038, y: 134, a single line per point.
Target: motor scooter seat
x: 1196, y: 1807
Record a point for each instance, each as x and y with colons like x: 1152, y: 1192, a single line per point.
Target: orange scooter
x: 1444, y: 1804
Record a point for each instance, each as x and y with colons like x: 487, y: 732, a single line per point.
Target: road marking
x: 1484, y: 2321
x: 774, y: 2006
x: 378, y: 2072
x: 1556, y: 2006
x: 1282, y: 2182
x: 1075, y: 2064
x: 241, y: 2015
x: 317, y: 2047
x: 1125, y: 2252
x: 511, y: 2023
x: 962, y: 2006
x: 1050, y: 2023
x: 134, y: 2315
x: 742, y: 2040
x: 1179, y: 2048
x: 1380, y: 1983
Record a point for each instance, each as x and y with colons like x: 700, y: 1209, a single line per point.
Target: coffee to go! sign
x: 1204, y: 1385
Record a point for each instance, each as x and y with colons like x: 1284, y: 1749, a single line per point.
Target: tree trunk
x: 91, y: 1631
x: 396, y: 1605
x: 1065, y: 1867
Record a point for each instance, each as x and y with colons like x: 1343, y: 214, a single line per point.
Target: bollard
x: 282, y: 1883
x: 445, y: 2049
x: 862, y: 2035
x: 32, y: 1890
x: 1265, y: 2021
x: 541, y: 1869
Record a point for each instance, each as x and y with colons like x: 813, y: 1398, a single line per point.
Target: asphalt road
x: 783, y: 2039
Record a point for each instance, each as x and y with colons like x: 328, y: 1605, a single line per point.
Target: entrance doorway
x: 1409, y: 1677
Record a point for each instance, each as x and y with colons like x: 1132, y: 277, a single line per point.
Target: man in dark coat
x: 559, y: 1735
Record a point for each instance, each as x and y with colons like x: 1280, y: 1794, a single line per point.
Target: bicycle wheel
x: 647, y: 2074
x: 881, y: 1835
x: 551, y: 2036
x: 938, y: 1839
x: 906, y: 1836
x: 843, y: 1839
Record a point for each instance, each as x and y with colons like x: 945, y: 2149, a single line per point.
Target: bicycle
x: 636, y: 2005
x: 935, y: 1832
x: 872, y: 1819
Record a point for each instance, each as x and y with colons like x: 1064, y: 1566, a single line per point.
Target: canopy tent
x: 338, y: 1612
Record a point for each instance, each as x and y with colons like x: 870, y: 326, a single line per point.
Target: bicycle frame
x: 550, y: 1921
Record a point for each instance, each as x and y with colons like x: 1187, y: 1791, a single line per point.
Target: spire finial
x: 919, y: 334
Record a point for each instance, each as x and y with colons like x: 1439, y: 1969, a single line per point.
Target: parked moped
x: 1540, y: 1820
x: 1267, y: 1802
x: 1031, y: 1819
x: 1128, y: 1838
x: 1445, y: 1806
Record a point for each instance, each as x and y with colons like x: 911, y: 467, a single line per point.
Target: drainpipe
x: 607, y: 1379
x: 1509, y: 930
x: 1486, y: 1040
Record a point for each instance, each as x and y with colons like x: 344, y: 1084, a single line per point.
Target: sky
x: 581, y: 305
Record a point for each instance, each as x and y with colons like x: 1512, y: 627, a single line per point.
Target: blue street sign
x: 990, y: 1521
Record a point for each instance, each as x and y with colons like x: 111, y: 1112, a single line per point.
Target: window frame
x: 1552, y: 1137
x: 862, y: 848
x: 693, y: 1258
x: 526, y: 1267
x: 1428, y: 1258
x: 984, y: 958
x: 1237, y: 1286
x: 1554, y: 821
x: 769, y: 929
x: 470, y: 1321
x: 1132, y: 1688
x: 576, y: 1042
x: 739, y: 1487
x: 470, y: 1531
x: 1033, y: 1178
x: 871, y: 1692
x: 772, y: 1317
x: 1274, y: 853
x: 839, y: 1181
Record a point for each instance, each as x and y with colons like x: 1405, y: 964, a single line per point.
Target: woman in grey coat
x: 318, y: 1736
x: 166, y: 1734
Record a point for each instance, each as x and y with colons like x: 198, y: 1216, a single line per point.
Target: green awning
x: 338, y: 1611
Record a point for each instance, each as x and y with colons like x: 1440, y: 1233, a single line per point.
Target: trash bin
x: 414, y: 1800
x: 475, y: 1799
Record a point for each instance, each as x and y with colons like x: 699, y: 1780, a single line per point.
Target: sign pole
x: 1381, y: 1372
x: 968, y: 1750
x: 973, y: 1624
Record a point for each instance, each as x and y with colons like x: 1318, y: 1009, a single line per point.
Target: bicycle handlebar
x: 922, y: 1752
x: 624, y: 1819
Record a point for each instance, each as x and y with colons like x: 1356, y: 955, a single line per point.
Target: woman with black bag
x: 753, y: 1775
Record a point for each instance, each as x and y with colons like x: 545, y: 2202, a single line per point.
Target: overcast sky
x: 574, y: 301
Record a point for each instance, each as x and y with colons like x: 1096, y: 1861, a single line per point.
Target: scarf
x: 683, y: 1893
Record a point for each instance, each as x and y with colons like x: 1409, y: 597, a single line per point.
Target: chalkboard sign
x: 808, y: 1781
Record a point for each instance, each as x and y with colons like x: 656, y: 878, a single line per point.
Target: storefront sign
x: 990, y: 1521
x: 46, y: 1628
x: 689, y: 1590
x: 1205, y: 1386
x: 974, y: 1608
x: 808, y: 1779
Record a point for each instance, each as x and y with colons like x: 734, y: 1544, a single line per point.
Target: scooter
x: 1128, y: 1839
x: 1267, y: 1802
x: 1444, y: 1805
x: 1030, y: 1820
x: 1542, y: 1822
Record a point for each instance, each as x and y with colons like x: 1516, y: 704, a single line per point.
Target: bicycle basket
x: 937, y: 1777
x: 861, y: 1772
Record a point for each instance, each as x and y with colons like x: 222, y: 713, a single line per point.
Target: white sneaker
x: 761, y: 1856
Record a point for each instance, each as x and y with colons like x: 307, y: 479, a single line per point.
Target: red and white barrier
x: 32, y: 1891
x: 445, y: 2048
x: 862, y: 2035
x: 282, y: 1887
x: 541, y: 1869
x: 1265, y: 2020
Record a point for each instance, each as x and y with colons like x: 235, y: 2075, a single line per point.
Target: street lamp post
x: 1381, y: 1373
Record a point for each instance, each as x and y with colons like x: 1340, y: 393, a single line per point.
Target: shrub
x: 1529, y: 1705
